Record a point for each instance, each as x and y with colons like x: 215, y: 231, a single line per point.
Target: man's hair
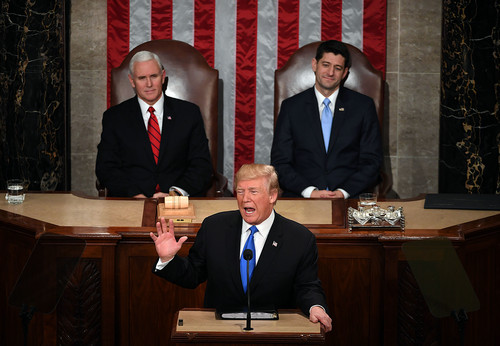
x: 335, y: 47
x: 257, y: 170
x: 141, y: 56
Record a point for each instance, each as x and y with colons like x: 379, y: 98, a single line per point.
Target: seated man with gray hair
x: 153, y: 145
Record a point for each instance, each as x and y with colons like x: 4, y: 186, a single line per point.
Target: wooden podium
x: 201, y: 326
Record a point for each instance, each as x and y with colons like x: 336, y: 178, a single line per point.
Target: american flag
x: 246, y: 40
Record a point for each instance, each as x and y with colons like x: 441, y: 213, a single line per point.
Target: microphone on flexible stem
x: 248, y: 255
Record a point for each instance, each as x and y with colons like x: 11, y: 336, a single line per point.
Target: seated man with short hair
x: 327, y: 141
x: 153, y: 145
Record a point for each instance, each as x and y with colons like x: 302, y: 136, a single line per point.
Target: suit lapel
x: 233, y: 244
x: 339, y: 118
x: 167, y: 125
x: 138, y: 123
x: 313, y: 118
x: 271, y: 249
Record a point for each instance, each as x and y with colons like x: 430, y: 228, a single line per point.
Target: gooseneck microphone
x: 248, y: 255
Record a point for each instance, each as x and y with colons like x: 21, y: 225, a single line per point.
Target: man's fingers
x: 182, y: 240
x: 159, y: 230
x: 164, y: 226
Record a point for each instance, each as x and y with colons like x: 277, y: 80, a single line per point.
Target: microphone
x: 248, y: 255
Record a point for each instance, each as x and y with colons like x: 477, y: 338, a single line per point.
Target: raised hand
x: 165, y: 243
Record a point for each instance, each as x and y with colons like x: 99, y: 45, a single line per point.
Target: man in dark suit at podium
x: 152, y: 144
x: 286, y: 270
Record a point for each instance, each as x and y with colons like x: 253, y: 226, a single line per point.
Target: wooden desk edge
x: 254, y: 337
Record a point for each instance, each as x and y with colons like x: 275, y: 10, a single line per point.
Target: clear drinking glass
x: 16, y: 189
x: 367, y: 200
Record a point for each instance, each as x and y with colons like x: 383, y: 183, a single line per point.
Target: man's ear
x: 314, y: 64
x: 131, y: 80
x: 346, y: 71
x: 163, y: 76
x: 273, y: 196
x: 165, y: 83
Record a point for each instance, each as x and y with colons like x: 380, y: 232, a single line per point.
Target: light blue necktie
x: 243, y: 263
x: 326, y: 122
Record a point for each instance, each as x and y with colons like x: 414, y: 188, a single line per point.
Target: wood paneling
x: 372, y: 294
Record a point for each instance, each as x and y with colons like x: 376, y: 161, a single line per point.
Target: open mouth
x: 249, y: 211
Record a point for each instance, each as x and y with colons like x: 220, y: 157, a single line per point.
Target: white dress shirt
x: 158, y: 106
x: 259, y: 237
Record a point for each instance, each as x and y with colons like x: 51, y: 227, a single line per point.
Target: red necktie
x: 154, y: 133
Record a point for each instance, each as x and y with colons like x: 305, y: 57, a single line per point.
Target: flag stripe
x: 288, y: 29
x: 352, y: 22
x: 225, y: 62
x: 246, y: 43
x: 183, y: 21
x: 374, y: 32
x: 204, y: 24
x: 140, y: 22
x: 331, y: 20
x: 161, y: 19
x: 118, y: 36
x: 310, y: 16
x: 266, y: 64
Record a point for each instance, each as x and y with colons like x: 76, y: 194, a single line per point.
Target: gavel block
x: 176, y: 202
x: 176, y: 208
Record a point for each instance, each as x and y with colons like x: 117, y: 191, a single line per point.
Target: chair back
x: 297, y: 75
x: 189, y: 76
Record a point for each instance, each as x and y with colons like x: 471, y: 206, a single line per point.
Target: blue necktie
x: 243, y: 263
x: 326, y: 122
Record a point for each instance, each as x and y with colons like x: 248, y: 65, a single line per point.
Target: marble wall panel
x: 88, y: 98
x: 88, y: 35
x: 83, y: 174
x: 470, y: 108
x: 392, y: 49
x: 412, y: 79
x: 418, y: 123
x: 417, y: 175
x: 88, y: 89
x: 420, y: 36
x: 390, y: 130
x: 34, y: 140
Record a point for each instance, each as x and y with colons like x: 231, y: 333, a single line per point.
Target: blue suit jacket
x: 125, y: 163
x: 285, y: 277
x: 354, y: 155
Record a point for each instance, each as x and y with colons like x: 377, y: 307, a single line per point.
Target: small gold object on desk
x: 176, y: 208
x: 365, y: 218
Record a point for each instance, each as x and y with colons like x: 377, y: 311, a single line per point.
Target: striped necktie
x: 154, y: 133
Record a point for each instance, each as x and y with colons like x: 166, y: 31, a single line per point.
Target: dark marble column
x: 33, y: 126
x: 470, y: 97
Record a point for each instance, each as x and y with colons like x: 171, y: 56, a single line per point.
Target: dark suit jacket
x: 354, y: 155
x: 286, y: 275
x: 125, y: 163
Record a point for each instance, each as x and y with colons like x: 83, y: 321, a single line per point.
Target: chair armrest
x: 101, y: 190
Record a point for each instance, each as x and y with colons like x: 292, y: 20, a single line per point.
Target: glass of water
x: 367, y: 200
x: 16, y: 189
